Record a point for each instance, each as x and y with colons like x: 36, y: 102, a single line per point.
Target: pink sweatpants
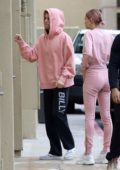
x: 96, y: 86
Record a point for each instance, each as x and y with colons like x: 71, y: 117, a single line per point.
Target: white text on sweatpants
x: 61, y: 102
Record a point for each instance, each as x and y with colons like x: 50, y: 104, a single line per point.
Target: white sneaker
x: 69, y: 154
x: 101, y: 159
x: 50, y: 157
x: 88, y: 160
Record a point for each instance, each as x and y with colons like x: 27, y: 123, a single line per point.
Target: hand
x: 18, y: 38
x: 116, y: 95
x: 59, y: 84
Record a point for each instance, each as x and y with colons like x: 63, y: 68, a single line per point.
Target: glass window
x: 78, y: 44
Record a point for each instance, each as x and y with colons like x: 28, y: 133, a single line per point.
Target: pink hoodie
x: 53, y: 52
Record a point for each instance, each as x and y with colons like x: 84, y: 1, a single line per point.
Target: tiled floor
x: 32, y: 149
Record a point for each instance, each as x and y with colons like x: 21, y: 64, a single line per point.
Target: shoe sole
x: 101, y: 162
x: 88, y: 163
x: 68, y: 159
x: 49, y: 159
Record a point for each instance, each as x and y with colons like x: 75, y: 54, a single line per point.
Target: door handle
x: 13, y: 76
x: 1, y: 93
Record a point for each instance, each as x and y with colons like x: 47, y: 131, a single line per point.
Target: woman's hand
x: 116, y: 95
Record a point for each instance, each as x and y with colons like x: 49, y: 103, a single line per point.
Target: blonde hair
x: 95, y: 15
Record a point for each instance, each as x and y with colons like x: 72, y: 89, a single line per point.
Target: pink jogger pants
x: 96, y: 86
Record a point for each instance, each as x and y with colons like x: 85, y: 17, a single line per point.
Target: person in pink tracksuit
x: 96, y: 53
x: 54, y: 54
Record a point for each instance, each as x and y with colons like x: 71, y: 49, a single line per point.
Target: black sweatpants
x: 115, y: 141
x: 57, y: 128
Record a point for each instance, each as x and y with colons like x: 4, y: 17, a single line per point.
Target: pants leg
x: 55, y: 145
x: 94, y: 83
x: 104, y: 104
x: 60, y: 117
x: 115, y: 141
x: 89, y: 96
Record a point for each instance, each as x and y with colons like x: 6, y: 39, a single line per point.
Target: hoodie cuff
x: 22, y: 43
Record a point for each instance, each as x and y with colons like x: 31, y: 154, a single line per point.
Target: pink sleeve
x: 87, y: 45
x: 27, y: 52
x: 87, y: 50
x: 85, y: 62
x: 68, y: 71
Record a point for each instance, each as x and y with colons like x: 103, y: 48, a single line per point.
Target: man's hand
x: 116, y: 95
x: 18, y: 38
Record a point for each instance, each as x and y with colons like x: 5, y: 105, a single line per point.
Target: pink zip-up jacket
x: 53, y: 52
x: 96, y: 49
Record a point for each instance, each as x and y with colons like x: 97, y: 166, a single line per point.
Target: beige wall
x: 6, y: 101
x: 30, y: 90
x: 109, y: 13
x: 75, y: 11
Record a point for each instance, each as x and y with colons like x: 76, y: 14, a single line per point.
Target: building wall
x: 109, y: 13
x: 75, y: 11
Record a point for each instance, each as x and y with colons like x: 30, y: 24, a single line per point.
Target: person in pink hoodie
x: 96, y: 54
x: 54, y: 54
